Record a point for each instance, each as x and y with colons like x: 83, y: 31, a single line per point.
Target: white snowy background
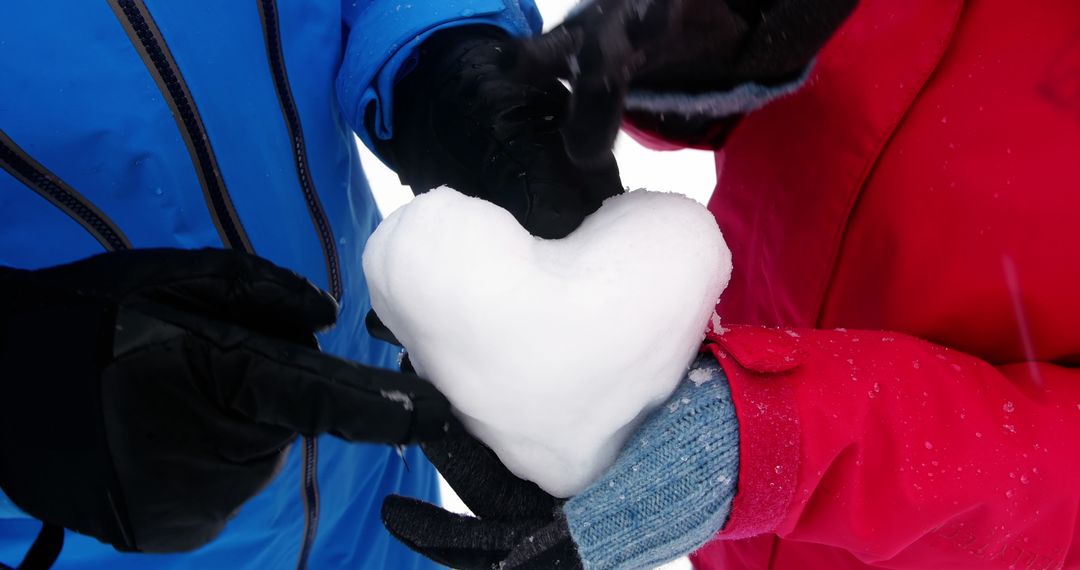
x: 687, y: 172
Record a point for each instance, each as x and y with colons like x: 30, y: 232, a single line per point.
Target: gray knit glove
x: 668, y: 493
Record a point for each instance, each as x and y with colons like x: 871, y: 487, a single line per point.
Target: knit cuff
x: 671, y: 489
x: 741, y: 99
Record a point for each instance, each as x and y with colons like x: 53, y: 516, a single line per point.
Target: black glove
x: 520, y: 526
x: 147, y: 394
x: 517, y: 525
x: 469, y: 118
x: 610, y: 47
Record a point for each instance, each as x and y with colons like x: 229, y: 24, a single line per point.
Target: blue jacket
x: 163, y: 123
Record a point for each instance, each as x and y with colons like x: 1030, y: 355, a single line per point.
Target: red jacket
x: 914, y: 213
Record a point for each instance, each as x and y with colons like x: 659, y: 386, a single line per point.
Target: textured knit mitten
x: 668, y: 493
x: 671, y: 489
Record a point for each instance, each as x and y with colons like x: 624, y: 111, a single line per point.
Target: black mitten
x: 517, y: 525
x: 470, y: 118
x: 610, y: 48
x: 147, y: 394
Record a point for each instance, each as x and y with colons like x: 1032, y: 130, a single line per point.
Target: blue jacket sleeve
x: 383, y: 37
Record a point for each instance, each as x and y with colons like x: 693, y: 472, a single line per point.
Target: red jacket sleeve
x: 901, y: 451
x: 676, y: 133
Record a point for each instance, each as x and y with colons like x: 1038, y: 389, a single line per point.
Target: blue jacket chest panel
x: 81, y: 99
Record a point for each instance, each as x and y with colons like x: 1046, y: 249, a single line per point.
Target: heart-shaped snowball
x: 551, y: 351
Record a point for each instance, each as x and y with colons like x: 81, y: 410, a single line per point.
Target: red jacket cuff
x: 757, y: 362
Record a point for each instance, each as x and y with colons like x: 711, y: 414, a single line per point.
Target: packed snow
x: 550, y: 350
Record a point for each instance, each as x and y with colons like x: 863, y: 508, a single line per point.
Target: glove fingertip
x: 419, y: 524
x: 590, y: 155
x: 392, y: 506
x: 322, y: 308
x: 551, y: 53
x: 397, y: 514
x: 377, y: 329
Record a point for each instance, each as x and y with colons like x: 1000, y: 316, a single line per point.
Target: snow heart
x: 550, y: 351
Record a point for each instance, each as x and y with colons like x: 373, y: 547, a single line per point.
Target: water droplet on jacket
x: 1009, y: 407
x: 928, y: 445
x: 468, y: 12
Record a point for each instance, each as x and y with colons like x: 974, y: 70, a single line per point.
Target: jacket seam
x: 886, y: 137
x: 275, y: 58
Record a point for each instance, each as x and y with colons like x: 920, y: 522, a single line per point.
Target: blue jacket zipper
x: 149, y: 43
x: 268, y: 13
x: 310, y: 487
x: 25, y: 169
x: 135, y: 17
x: 272, y: 34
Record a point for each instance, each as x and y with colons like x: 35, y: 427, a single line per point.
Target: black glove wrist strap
x: 44, y: 551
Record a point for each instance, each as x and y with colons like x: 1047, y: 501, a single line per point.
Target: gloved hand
x: 468, y: 117
x: 147, y: 394
x: 677, y: 56
x: 517, y: 524
x: 668, y: 493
